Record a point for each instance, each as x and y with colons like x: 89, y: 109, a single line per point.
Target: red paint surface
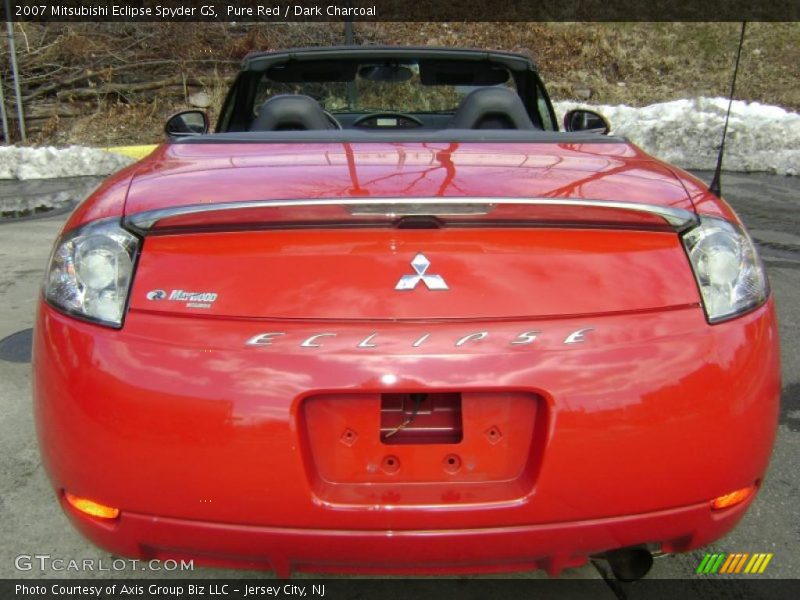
x: 198, y: 174
x: 648, y: 415
x: 214, y: 448
x: 182, y: 174
x: 351, y: 274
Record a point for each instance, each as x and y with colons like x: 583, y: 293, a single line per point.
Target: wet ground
x: 31, y: 522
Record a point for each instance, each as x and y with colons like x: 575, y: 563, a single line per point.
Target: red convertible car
x: 388, y: 318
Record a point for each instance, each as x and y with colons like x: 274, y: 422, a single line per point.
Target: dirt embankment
x: 113, y: 83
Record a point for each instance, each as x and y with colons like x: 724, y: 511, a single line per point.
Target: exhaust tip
x: 629, y: 564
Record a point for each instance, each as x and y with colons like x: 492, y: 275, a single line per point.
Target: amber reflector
x: 733, y: 498
x: 89, y: 507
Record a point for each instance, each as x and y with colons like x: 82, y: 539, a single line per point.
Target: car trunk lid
x: 180, y: 175
x: 554, y: 239
x: 390, y: 274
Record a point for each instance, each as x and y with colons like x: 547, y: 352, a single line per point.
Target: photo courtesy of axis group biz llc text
x: 171, y: 590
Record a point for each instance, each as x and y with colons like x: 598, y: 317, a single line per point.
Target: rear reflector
x: 733, y: 498
x: 91, y: 508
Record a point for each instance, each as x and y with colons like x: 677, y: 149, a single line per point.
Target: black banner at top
x: 282, y: 11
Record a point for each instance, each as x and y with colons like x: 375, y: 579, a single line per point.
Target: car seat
x: 287, y: 112
x: 492, y: 108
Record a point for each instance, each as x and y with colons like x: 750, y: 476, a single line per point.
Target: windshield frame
x: 236, y: 113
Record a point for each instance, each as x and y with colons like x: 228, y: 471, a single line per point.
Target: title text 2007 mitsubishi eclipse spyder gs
x: 387, y: 318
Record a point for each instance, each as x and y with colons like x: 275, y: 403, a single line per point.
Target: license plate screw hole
x: 348, y: 437
x: 452, y: 463
x: 493, y: 434
x: 390, y: 464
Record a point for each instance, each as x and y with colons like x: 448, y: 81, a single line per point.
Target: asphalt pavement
x: 32, y: 523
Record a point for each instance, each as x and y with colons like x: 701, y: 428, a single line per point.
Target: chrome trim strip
x: 679, y: 219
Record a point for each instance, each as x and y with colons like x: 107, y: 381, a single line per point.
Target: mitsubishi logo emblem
x: 421, y: 264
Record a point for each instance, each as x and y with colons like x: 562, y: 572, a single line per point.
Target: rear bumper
x: 206, y: 447
x: 552, y: 547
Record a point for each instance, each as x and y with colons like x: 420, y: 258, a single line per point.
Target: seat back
x: 290, y: 112
x: 492, y: 108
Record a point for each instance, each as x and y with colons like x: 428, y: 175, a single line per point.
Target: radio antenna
x: 715, y: 188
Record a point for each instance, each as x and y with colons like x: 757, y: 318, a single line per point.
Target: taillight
x: 90, y: 272
x: 729, y: 273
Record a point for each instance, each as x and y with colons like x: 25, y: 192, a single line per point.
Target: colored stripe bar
x: 737, y: 562
x: 703, y: 564
x: 728, y: 564
x: 718, y: 564
x: 741, y: 562
x: 753, y: 564
x: 712, y: 559
x: 766, y: 562
x: 737, y: 557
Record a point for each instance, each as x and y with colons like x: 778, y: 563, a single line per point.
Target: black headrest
x: 492, y: 108
x: 290, y: 111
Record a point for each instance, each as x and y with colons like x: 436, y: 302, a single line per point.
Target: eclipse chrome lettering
x: 576, y: 337
x: 480, y: 335
x: 372, y: 340
x: 311, y: 341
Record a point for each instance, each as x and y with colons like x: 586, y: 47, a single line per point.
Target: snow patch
x: 18, y: 162
x: 683, y: 132
x: 687, y: 133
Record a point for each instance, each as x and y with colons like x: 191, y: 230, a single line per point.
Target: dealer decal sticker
x: 192, y: 299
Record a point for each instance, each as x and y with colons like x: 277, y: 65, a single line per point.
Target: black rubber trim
x: 262, y: 60
x: 444, y: 136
